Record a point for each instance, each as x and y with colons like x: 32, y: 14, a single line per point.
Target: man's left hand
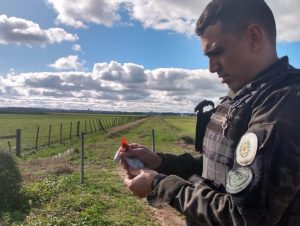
x: 139, y: 182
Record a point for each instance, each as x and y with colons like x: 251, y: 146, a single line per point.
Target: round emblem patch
x: 246, y: 149
x: 238, y: 179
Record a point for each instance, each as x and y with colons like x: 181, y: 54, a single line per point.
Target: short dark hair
x: 236, y: 15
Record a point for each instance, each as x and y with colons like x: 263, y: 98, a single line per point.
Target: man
x: 249, y: 172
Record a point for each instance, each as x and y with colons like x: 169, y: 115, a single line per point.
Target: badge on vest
x: 238, y: 179
x: 246, y: 149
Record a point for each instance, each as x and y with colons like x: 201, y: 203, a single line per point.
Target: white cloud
x: 70, y: 62
x: 178, y: 16
x: 287, y: 18
x: 20, y: 31
x: 76, y: 48
x: 172, y: 15
x: 113, y: 86
x: 77, y: 13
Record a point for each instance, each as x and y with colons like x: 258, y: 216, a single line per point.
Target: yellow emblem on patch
x: 246, y: 149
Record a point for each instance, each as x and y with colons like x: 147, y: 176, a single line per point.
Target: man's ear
x: 255, y: 37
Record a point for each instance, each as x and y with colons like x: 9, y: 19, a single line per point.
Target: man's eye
x: 216, y: 53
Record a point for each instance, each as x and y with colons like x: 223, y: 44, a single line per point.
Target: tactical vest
x: 222, y: 136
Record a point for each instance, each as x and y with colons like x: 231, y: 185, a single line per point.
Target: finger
x: 133, y: 145
x: 137, y: 172
x: 133, y: 152
x: 127, y: 181
x: 125, y: 164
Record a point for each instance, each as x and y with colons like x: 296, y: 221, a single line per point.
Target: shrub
x: 187, y: 139
x: 10, y: 181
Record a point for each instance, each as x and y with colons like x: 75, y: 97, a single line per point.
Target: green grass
x: 186, y: 124
x: 29, y: 123
x: 59, y: 199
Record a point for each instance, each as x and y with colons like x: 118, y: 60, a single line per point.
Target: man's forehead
x: 209, y: 45
x: 211, y: 37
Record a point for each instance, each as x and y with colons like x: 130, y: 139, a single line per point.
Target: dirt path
x: 167, y: 216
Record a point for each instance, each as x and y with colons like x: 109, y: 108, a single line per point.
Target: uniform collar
x: 270, y: 72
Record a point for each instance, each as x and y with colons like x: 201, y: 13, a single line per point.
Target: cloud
x: 76, y: 48
x: 113, y: 86
x: 77, y: 13
x: 171, y: 15
x: 68, y: 63
x: 19, y: 31
x: 287, y: 19
x: 177, y: 16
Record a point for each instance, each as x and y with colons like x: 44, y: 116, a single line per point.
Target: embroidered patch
x: 246, y: 149
x: 238, y: 179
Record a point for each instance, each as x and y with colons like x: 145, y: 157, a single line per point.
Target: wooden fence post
x: 78, y: 128
x: 91, y: 126
x: 94, y: 125
x: 49, y: 136
x: 82, y: 160
x: 101, y: 125
x: 8, y: 142
x: 71, y: 131
x: 18, y: 142
x: 37, y: 138
x: 60, y: 133
x: 98, y: 125
x: 107, y: 122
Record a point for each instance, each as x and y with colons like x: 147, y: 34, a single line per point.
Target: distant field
x: 186, y: 124
x: 29, y: 123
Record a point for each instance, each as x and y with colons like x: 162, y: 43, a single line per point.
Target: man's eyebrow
x: 213, y: 51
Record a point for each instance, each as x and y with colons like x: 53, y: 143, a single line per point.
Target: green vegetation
x: 186, y: 124
x: 51, y: 192
x: 63, y: 126
x: 10, y: 182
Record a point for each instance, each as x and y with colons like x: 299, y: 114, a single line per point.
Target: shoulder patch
x: 238, y: 179
x: 246, y: 149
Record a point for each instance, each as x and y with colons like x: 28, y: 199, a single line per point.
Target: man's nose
x: 214, y: 65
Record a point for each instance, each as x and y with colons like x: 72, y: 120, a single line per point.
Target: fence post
x: 153, y: 141
x: 18, y: 142
x: 82, y: 160
x: 60, y: 133
x: 8, y: 142
x: 98, y: 125
x: 85, y: 126
x: 94, y: 125
x: 91, y: 126
x: 101, y: 125
x: 71, y: 131
x: 37, y: 138
x: 49, y: 136
x: 78, y: 128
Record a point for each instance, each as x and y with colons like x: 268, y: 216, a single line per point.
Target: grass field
x: 65, y: 123
x: 185, y: 124
x: 52, y: 195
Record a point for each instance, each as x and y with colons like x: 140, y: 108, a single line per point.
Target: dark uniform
x: 249, y: 171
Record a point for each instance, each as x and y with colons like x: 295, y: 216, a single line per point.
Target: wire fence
x: 39, y: 136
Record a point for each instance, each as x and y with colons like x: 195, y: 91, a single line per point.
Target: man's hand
x: 150, y: 158
x: 140, y: 184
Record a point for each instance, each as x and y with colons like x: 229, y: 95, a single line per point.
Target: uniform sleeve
x: 273, y: 191
x: 184, y: 165
x: 198, y: 202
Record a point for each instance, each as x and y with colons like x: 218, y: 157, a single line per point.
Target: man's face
x: 229, y: 56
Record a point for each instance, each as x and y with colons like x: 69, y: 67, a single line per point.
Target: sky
x: 115, y: 55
